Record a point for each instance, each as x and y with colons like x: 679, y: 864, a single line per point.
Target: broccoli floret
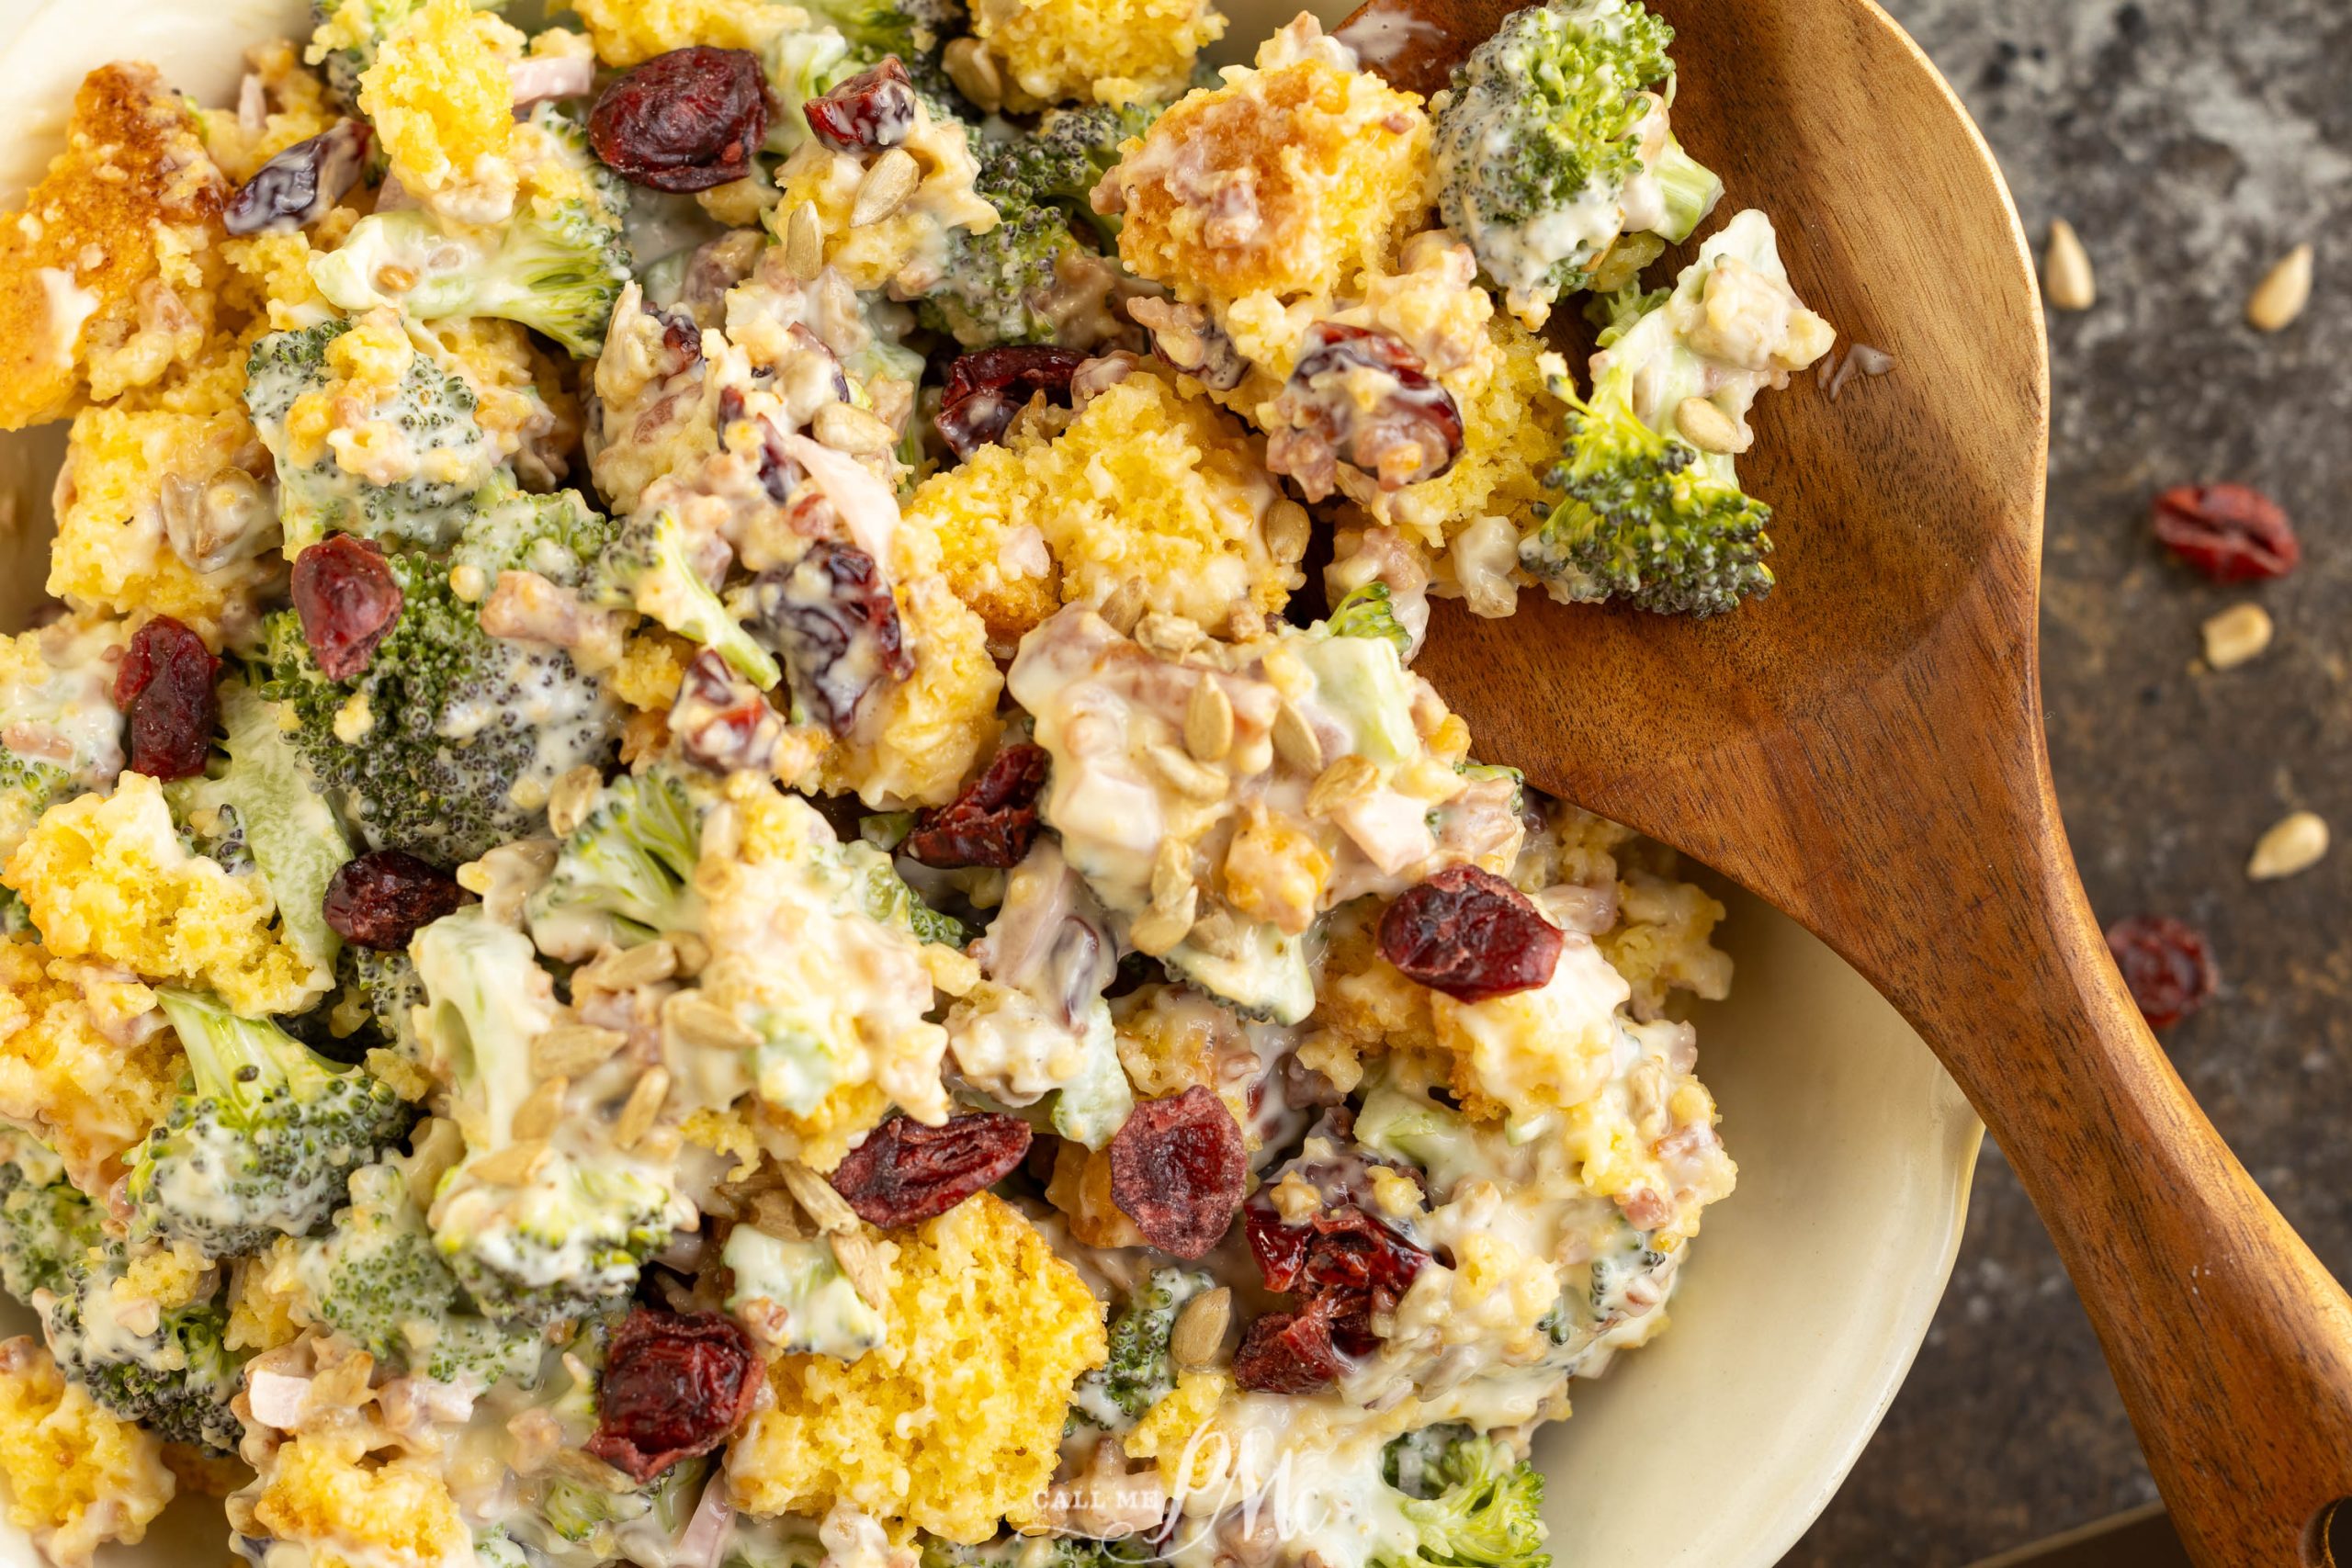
x: 651, y: 569
x: 625, y: 874
x: 445, y: 744
x: 175, y: 1377
x: 272, y: 810
x: 46, y: 1224
x: 435, y: 410
x: 560, y: 536
x: 1539, y: 148
x: 379, y: 1280
x: 1472, y: 1504
x: 1060, y: 163
x: 558, y: 265
x: 567, y: 1233
x: 999, y: 286
x: 388, y: 986
x: 1369, y: 612
x: 885, y: 895
x: 1648, y: 517
x: 1138, y: 1372
x: 263, y: 1140
x: 795, y: 1296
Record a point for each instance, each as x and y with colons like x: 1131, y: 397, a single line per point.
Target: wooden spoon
x: 1864, y: 747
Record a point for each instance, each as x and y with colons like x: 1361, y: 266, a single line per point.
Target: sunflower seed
x: 644, y: 1103
x: 1198, y: 1342
x: 2066, y: 276
x: 1208, y: 722
x: 2295, y: 842
x: 889, y: 181
x: 2283, y: 292
x: 826, y: 1208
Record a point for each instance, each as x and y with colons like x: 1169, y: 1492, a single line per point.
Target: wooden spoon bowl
x: 1864, y: 746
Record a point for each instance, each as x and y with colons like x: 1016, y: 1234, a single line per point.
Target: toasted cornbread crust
x: 104, y: 271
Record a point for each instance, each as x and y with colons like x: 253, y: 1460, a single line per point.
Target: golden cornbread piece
x: 75, y: 1064
x: 957, y: 1419
x: 78, y: 1475
x: 1104, y: 51
x: 1289, y: 179
x: 106, y: 272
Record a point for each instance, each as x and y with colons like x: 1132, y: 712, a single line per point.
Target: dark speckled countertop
x: 2191, y: 143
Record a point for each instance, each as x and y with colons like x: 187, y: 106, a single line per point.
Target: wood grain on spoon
x: 1864, y: 747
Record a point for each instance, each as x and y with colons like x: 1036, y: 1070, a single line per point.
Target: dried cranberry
x: 993, y: 821
x: 1340, y: 1257
x: 832, y: 619
x: 1288, y: 1352
x: 164, y: 688
x: 872, y: 110
x: 2230, y: 533
x: 1178, y: 1171
x: 684, y: 121
x: 1469, y: 933
x: 348, y: 602
x: 906, y: 1173
x: 302, y: 183
x: 382, y: 899
x: 2166, y: 965
x: 674, y: 1385
x: 984, y: 390
x: 780, y: 475
x: 721, y: 720
x: 1362, y: 397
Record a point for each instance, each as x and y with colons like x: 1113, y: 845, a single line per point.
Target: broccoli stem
x: 238, y: 1060
x: 1691, y: 191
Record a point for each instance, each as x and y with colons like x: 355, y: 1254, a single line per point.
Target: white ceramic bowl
x: 1806, y: 1298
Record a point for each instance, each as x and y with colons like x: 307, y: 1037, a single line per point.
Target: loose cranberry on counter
x: 2230, y: 533
x: 684, y: 121
x: 165, y: 687
x: 2165, y: 964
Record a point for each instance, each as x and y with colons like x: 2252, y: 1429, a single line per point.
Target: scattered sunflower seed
x: 2238, y: 634
x: 2295, y: 842
x: 2283, y: 292
x: 2066, y: 276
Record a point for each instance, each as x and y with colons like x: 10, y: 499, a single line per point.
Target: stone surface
x: 2192, y: 143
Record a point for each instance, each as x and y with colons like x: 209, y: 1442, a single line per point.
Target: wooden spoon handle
x: 2231, y: 1344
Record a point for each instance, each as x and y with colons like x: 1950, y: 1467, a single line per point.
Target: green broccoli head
x: 389, y: 988
x: 563, y: 1234
x: 379, y: 1280
x: 1647, y: 517
x: 263, y: 1141
x: 1541, y: 137
x: 1060, y: 163
x: 1369, y: 611
x: 556, y: 266
x: 46, y: 1224
x: 1471, y: 1503
x: 560, y: 535
x: 1137, y: 1370
x: 435, y: 410
x: 346, y: 34
x: 651, y: 569
x: 447, y: 743
x: 625, y: 874
x: 176, y: 1376
x: 999, y: 286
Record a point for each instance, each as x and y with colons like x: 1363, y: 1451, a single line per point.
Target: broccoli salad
x: 692, y: 874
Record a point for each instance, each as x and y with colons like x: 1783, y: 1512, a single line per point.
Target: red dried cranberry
x: 684, y: 121
x: 721, y: 720
x: 1469, y: 933
x: 675, y: 1385
x: 832, y: 619
x: 1280, y: 1248
x: 1362, y: 397
x: 348, y: 602
x: 2166, y: 965
x: 2230, y: 533
x: 1178, y: 1171
x: 1289, y: 1352
x: 872, y: 110
x: 906, y: 1173
x: 164, y: 688
x: 984, y: 390
x: 382, y: 899
x: 302, y: 183
x: 993, y: 821
x: 1340, y: 1257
